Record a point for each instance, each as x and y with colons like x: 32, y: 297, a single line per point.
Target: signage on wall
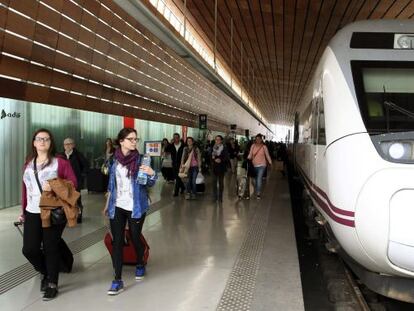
x: 153, y: 148
x: 202, y: 121
x: 5, y: 114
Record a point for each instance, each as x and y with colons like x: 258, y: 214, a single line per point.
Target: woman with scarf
x: 191, y: 163
x: 219, y: 162
x: 128, y: 201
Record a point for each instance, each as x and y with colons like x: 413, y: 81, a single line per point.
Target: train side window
x: 306, y: 128
x: 296, y: 130
x: 321, y: 122
x: 314, y: 122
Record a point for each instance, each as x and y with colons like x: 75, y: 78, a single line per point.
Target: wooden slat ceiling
x: 92, y: 55
x: 283, y: 40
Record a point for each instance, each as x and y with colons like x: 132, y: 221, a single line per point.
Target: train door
x: 320, y: 143
x: 295, y: 139
x: 314, y: 149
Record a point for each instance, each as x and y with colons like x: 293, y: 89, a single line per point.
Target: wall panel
x: 88, y: 129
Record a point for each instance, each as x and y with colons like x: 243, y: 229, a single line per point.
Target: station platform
x: 238, y: 255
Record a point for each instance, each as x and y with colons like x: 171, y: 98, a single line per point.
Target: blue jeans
x: 192, y: 176
x: 259, y: 178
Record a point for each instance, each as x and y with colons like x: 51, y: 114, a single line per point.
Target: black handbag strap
x: 36, y: 175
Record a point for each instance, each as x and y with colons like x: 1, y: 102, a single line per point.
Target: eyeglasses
x: 132, y: 139
x: 43, y: 139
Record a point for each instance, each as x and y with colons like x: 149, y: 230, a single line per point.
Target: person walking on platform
x: 166, y: 165
x: 259, y: 155
x: 233, y: 154
x: 41, y: 166
x: 127, y: 202
x: 219, y: 162
x: 80, y: 167
x: 191, y: 164
x: 109, y: 149
x: 176, y: 149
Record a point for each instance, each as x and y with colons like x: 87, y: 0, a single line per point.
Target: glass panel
x: 385, y: 92
x: 19, y: 119
x: 389, y: 80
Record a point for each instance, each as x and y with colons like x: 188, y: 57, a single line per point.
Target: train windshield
x: 385, y: 92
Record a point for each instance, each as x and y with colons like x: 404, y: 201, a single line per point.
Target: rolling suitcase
x: 129, y: 256
x: 243, y: 185
x: 200, y: 188
x: 200, y: 183
x: 66, y: 256
x: 96, y: 181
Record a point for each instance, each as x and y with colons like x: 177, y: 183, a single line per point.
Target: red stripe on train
x: 328, y: 207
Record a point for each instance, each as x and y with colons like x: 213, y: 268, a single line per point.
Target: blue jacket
x: 140, y: 192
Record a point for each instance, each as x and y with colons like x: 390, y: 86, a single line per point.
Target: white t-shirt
x: 177, y: 146
x: 32, y: 189
x: 124, y: 191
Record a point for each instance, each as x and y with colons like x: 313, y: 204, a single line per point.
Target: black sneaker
x: 50, y: 293
x: 44, y: 283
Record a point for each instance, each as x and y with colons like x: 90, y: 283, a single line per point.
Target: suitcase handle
x: 18, y: 225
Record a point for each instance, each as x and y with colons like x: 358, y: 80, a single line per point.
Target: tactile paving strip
x: 238, y: 294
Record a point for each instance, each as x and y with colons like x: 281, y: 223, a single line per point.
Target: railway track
x: 357, y: 293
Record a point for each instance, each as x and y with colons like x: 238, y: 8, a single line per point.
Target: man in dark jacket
x: 79, y: 165
x: 219, y: 161
x: 176, y: 149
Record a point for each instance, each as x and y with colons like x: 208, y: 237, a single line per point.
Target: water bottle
x: 142, y: 176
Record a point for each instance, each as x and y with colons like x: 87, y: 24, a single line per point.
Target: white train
x: 354, y: 148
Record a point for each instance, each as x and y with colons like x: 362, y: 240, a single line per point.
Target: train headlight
x: 404, y: 41
x: 395, y: 147
x: 398, y: 150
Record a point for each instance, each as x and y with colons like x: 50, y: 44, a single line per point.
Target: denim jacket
x: 140, y: 192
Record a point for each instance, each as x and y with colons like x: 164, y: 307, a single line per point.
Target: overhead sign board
x: 202, y: 121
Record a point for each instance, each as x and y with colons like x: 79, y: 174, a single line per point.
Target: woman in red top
x: 43, y: 164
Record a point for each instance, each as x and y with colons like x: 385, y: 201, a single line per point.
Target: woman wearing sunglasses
x: 128, y: 202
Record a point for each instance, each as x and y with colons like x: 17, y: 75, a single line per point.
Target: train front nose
x: 384, y: 218
x: 401, y: 229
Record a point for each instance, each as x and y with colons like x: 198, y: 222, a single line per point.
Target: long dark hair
x: 51, y: 153
x: 124, y: 133
x: 112, y: 149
